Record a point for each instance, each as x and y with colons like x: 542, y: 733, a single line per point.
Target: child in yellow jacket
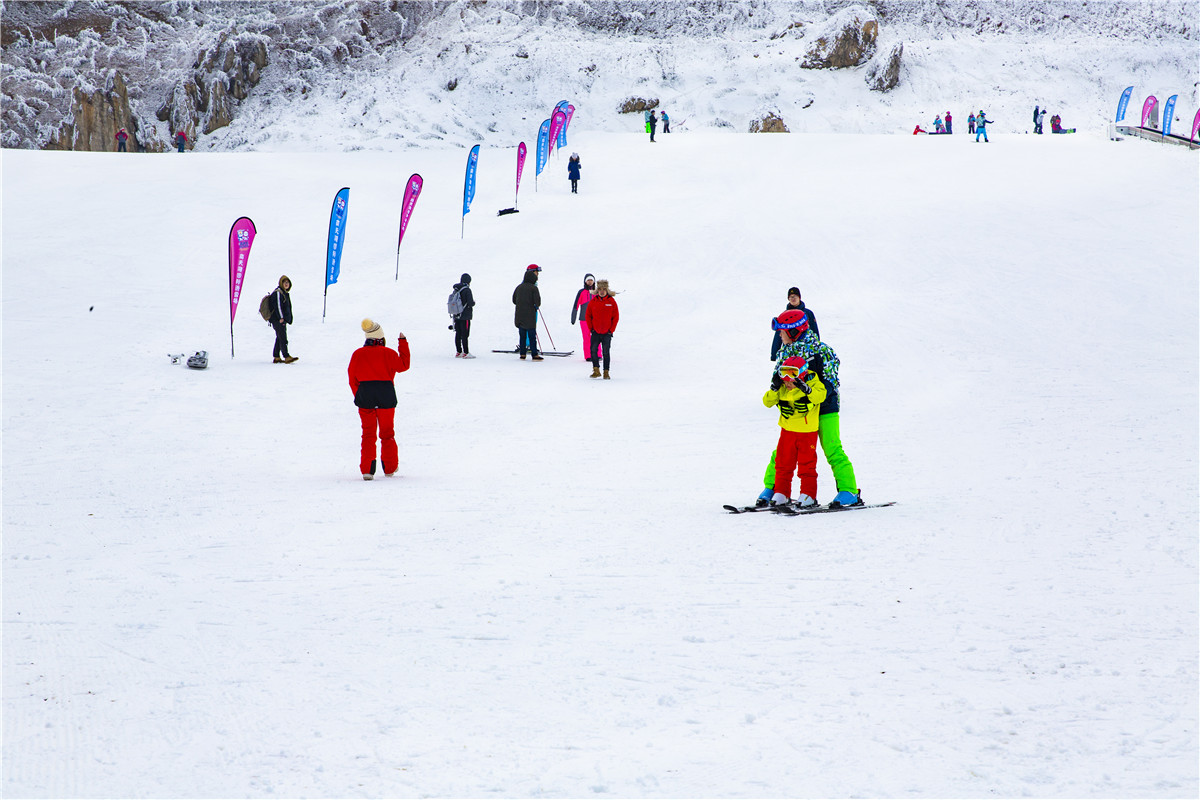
x: 798, y: 393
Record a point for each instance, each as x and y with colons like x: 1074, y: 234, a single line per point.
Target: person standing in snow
x: 579, y: 311
x: 794, y: 303
x: 573, y: 168
x: 938, y: 127
x: 800, y: 341
x: 949, y: 122
x: 653, y: 125
x: 981, y: 123
x: 122, y: 137
x: 528, y: 300
x: 372, y: 374
x: 180, y: 139
x: 281, y: 317
x: 1041, y: 121
x: 1035, y: 119
x: 666, y: 123
x: 462, y: 322
x: 971, y: 123
x: 798, y: 393
x: 602, y: 317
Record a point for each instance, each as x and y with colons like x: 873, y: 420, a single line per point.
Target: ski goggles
x: 791, y: 373
x: 800, y: 325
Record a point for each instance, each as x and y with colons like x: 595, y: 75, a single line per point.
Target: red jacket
x: 372, y: 370
x: 602, y: 314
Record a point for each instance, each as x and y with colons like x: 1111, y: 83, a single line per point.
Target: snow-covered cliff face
x: 352, y: 74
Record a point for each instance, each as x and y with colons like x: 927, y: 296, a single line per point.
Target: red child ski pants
x: 383, y: 420
x: 796, y: 452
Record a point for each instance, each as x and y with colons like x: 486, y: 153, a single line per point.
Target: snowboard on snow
x: 198, y: 360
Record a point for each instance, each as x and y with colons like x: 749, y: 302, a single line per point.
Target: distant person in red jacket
x: 372, y: 372
x: 180, y: 139
x: 122, y: 137
x: 602, y: 316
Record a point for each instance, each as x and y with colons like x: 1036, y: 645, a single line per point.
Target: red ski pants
x: 382, y: 420
x: 796, y: 452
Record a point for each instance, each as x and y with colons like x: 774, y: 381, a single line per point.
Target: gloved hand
x: 776, y: 381
x: 802, y: 386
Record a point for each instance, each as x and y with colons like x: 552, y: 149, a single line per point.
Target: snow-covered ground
x: 203, y: 598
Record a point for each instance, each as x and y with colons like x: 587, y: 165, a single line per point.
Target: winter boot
x: 291, y: 359
x: 467, y: 355
x: 779, y: 499
x: 595, y: 372
x: 370, y: 476
x: 538, y: 358
x: 606, y: 376
x: 764, y: 498
x: 804, y: 501
x: 845, y: 499
x: 277, y: 360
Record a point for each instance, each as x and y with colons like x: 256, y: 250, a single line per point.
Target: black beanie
x: 465, y: 278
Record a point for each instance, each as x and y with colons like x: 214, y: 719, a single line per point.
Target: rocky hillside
x: 350, y: 74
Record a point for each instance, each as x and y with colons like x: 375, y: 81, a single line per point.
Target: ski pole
x: 547, y: 329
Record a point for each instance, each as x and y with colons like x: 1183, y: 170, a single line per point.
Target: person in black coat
x: 462, y: 323
x: 795, y: 304
x: 528, y: 300
x: 281, y: 317
x: 653, y: 124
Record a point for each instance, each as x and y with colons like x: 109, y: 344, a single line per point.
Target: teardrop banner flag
x: 1147, y: 107
x: 520, y: 168
x: 556, y: 124
x: 469, y: 186
x: 1168, y: 114
x: 241, y: 239
x: 1195, y: 125
x: 1124, y: 103
x: 563, y: 134
x: 543, y: 151
x: 336, y: 241
x: 411, y: 193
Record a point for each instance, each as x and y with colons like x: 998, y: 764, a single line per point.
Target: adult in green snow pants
x: 830, y: 436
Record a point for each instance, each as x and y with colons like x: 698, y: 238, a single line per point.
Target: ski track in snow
x: 202, y: 598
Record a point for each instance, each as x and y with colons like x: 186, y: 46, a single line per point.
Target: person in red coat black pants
x: 372, y: 370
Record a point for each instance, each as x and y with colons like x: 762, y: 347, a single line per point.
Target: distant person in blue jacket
x: 666, y: 123
x: 573, y: 167
x: 981, y: 123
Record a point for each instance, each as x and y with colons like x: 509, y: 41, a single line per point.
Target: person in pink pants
x: 579, y: 309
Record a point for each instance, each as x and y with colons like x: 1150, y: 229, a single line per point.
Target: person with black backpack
x: 280, y: 303
x: 459, y: 305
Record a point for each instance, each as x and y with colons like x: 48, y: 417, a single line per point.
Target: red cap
x: 533, y: 267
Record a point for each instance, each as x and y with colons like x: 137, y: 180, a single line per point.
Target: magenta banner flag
x: 567, y: 124
x: 556, y: 123
x: 411, y: 193
x: 1147, y: 107
x: 520, y: 168
x: 1195, y: 125
x: 241, y: 239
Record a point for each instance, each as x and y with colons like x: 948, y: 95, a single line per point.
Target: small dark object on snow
x: 199, y: 360
x: 504, y: 211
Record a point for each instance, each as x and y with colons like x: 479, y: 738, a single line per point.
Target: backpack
x: 264, y: 308
x: 454, y: 303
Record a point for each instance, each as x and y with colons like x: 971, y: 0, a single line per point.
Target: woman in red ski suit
x: 372, y: 370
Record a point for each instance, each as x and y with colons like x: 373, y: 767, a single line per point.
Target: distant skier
x: 653, y: 125
x: 462, y: 323
x: 573, y: 167
x: 122, y: 137
x: 981, y: 123
x: 1041, y: 121
x: 971, y: 123
x: 666, y: 123
x: 949, y: 121
x: 372, y: 374
x: 281, y: 317
x: 938, y: 126
x: 180, y: 139
x: 1036, y: 111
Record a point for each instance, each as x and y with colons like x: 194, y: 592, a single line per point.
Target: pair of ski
x: 558, y: 353
x: 791, y: 510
